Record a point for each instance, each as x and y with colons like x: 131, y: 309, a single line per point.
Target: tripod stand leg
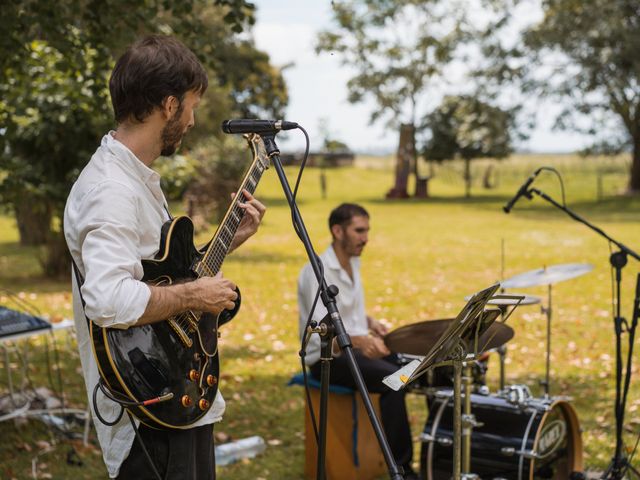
x: 325, y: 370
x: 457, y: 421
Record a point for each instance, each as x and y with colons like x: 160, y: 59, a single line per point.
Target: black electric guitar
x: 169, y: 370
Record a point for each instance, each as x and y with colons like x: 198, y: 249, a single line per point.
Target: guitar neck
x: 220, y: 244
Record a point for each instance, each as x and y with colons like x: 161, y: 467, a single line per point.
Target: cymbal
x: 547, y: 275
x: 526, y: 299
x: 419, y: 338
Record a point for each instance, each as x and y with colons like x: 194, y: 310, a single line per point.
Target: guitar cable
x: 305, y: 339
x: 123, y: 403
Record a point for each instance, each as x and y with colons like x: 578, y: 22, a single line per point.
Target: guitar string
x: 216, y: 253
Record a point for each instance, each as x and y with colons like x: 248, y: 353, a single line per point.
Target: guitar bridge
x: 182, y: 335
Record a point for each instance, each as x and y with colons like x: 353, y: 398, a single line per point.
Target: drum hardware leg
x: 502, y: 351
x: 457, y: 419
x: 548, y: 312
x: 468, y: 422
x: 466, y: 419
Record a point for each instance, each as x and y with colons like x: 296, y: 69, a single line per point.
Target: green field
x: 423, y: 257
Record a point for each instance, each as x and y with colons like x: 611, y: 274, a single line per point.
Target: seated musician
x: 349, y: 226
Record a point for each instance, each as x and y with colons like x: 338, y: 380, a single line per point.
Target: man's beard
x: 353, y: 249
x: 172, y: 134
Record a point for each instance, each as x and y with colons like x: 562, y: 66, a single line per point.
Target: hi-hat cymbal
x: 547, y: 275
x: 419, y: 338
x: 522, y: 299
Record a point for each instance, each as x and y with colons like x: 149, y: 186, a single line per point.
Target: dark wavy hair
x: 343, y: 213
x: 152, y: 69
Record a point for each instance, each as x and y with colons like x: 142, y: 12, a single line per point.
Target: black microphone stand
x: 619, y: 463
x: 331, y: 327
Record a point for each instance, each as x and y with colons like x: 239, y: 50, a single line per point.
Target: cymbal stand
x: 619, y: 464
x: 548, y: 311
x: 334, y: 328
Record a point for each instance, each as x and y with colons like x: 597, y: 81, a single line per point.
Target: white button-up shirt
x: 112, y: 221
x: 350, y: 299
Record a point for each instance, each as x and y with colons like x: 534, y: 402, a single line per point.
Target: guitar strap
x: 79, y: 283
x: 166, y: 209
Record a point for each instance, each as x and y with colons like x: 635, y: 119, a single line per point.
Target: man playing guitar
x: 113, y: 220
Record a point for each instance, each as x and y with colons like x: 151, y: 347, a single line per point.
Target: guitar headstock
x: 259, y: 151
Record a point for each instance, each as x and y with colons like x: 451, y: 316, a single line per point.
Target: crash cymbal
x: 419, y: 338
x: 504, y: 300
x: 547, y: 275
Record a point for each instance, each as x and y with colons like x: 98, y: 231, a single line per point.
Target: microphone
x: 523, y: 191
x: 248, y: 125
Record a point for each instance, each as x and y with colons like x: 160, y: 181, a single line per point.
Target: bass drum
x: 519, y: 438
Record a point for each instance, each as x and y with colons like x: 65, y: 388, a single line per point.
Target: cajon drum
x: 352, y: 450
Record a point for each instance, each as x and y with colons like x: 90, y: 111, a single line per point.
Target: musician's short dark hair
x: 343, y: 213
x: 152, y: 69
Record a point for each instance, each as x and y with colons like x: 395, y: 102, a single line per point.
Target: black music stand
x: 458, y: 344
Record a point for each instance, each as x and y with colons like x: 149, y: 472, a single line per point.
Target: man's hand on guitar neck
x: 253, y: 212
x: 205, y: 294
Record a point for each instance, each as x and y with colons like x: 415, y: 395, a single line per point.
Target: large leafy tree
x: 398, y: 49
x: 54, y: 63
x: 468, y: 128
x: 584, y: 55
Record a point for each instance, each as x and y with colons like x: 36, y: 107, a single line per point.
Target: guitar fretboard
x: 219, y: 247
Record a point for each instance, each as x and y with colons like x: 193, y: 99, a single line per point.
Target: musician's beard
x: 172, y: 133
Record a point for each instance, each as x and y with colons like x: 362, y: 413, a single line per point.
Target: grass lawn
x: 423, y: 257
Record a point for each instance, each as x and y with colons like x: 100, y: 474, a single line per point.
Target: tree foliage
x: 55, y: 59
x: 399, y: 50
x: 585, y: 55
x: 466, y: 127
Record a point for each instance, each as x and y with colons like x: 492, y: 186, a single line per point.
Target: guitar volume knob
x: 204, y: 404
x: 186, y: 401
x: 211, y: 380
x: 194, y: 375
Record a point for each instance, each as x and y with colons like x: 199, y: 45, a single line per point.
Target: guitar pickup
x: 193, y: 319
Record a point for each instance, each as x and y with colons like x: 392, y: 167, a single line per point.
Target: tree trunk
x: 54, y: 257
x: 33, y: 217
x: 467, y: 177
x: 406, y: 155
x: 634, y: 174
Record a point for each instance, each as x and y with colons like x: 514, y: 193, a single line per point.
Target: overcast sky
x: 286, y: 30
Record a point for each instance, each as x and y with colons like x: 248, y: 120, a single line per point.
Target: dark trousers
x: 176, y: 454
x: 393, y: 411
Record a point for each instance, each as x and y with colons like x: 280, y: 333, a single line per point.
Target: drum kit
x: 509, y: 434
